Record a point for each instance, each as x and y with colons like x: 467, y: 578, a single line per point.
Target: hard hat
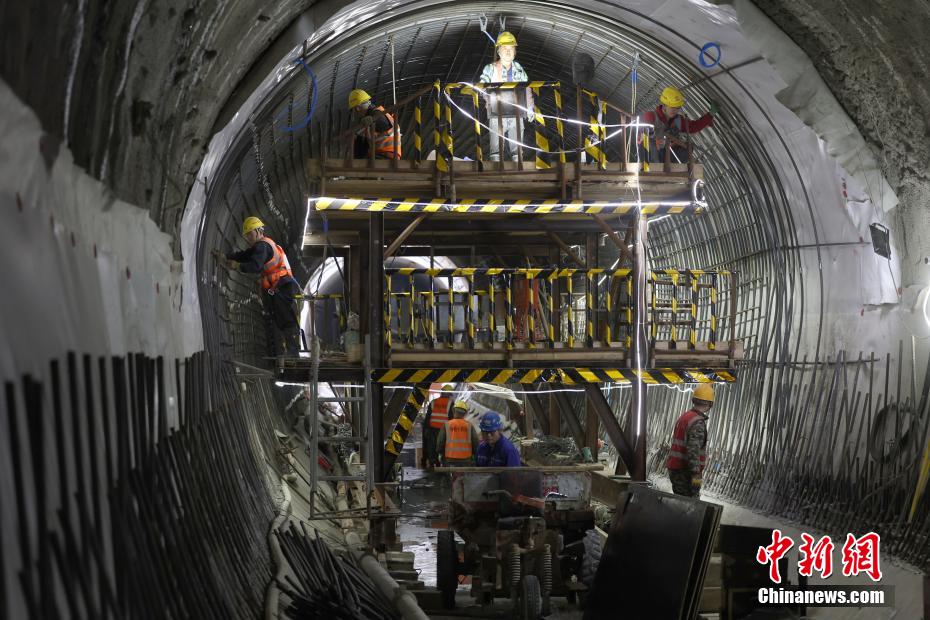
x: 672, y: 97
x: 358, y: 97
x: 490, y: 421
x: 704, y: 392
x: 250, y: 224
x: 505, y: 38
x: 447, y: 387
x: 460, y: 404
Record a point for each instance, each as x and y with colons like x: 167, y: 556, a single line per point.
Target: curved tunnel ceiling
x: 752, y: 221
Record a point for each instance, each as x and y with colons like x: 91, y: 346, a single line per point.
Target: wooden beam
x: 412, y: 226
x: 540, y: 415
x: 611, y: 425
x: 626, y: 256
x: 565, y: 248
x: 567, y: 412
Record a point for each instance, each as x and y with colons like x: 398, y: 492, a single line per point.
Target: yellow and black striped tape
x: 435, y: 205
x: 657, y: 376
x: 395, y: 443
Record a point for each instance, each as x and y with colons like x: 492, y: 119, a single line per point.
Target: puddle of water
x: 425, y: 507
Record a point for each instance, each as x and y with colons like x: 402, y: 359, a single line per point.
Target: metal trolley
x: 519, y: 526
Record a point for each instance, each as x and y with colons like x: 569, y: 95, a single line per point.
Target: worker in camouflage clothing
x: 689, y: 443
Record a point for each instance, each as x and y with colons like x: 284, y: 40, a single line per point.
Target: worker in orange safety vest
x: 437, y: 414
x: 377, y: 130
x: 458, y: 440
x: 280, y: 290
x: 687, y: 453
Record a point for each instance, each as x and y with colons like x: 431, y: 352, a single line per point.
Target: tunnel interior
x: 143, y: 424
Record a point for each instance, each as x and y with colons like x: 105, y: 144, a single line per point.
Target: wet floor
x: 425, y: 511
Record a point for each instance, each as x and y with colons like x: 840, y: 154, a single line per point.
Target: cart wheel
x: 447, y: 557
x: 529, y: 604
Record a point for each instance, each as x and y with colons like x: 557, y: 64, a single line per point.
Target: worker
x: 281, y: 290
x: 458, y: 440
x: 377, y: 126
x: 689, y: 440
x: 503, y: 110
x: 671, y: 127
x: 437, y: 414
x: 495, y: 450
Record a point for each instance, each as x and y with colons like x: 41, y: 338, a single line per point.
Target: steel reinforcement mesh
x: 140, y: 488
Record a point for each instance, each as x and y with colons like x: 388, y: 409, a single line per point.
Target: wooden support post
x: 591, y: 428
x: 597, y: 401
x: 555, y: 421
x: 567, y: 412
x: 536, y: 405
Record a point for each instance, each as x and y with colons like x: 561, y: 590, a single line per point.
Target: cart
x: 517, y: 524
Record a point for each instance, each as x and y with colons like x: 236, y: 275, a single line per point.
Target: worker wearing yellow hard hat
x: 458, y: 439
x: 687, y: 454
x: 671, y: 128
x: 267, y: 259
x: 507, y: 107
x: 377, y: 130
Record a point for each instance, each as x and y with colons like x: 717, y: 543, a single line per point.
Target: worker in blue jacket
x: 495, y: 450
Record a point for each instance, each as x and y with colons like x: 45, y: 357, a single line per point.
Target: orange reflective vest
x: 458, y: 440
x: 439, y: 412
x: 384, y: 141
x: 276, y: 268
x: 678, y: 453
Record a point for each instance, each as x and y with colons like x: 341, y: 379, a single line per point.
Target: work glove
x: 696, y: 485
x: 367, y: 121
x: 714, y: 107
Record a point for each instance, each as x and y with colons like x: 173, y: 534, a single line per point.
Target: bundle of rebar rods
x: 326, y: 585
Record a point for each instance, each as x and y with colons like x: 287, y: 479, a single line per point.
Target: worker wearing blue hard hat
x: 495, y: 450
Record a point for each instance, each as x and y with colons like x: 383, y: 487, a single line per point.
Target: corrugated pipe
x: 404, y: 600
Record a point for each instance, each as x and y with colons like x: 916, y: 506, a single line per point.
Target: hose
x: 271, y: 594
x: 404, y: 600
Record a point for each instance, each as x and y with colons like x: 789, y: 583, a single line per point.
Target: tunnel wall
x: 134, y: 471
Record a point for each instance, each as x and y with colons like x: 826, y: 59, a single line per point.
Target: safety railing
x: 473, y: 309
x: 455, y: 114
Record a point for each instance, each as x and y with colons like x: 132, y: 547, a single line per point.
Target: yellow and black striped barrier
x: 436, y: 205
x: 595, y: 140
x: 655, y: 376
x: 418, y: 135
x: 395, y: 443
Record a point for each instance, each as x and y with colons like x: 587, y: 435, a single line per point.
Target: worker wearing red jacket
x: 687, y: 454
x: 672, y: 128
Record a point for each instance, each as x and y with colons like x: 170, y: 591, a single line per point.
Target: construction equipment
x: 519, y: 526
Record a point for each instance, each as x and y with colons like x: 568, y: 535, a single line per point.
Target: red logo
x: 860, y: 555
x: 817, y: 556
x: 774, y: 552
